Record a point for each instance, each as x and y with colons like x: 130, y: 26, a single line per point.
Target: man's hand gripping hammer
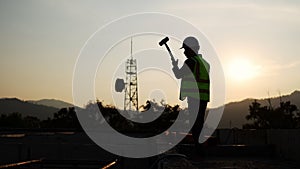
x: 164, y: 42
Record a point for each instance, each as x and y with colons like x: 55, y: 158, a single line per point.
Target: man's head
x: 191, y: 46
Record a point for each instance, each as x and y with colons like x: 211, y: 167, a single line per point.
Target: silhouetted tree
x: 13, y: 120
x: 32, y: 122
x: 286, y: 116
x: 64, y: 118
x: 125, y: 121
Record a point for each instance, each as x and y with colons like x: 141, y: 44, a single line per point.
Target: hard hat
x: 190, y: 42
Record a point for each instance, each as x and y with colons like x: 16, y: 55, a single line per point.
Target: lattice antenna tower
x: 131, y: 85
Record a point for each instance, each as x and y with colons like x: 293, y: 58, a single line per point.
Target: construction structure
x: 131, y: 84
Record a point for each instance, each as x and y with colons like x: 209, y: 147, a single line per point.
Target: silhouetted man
x: 194, y: 84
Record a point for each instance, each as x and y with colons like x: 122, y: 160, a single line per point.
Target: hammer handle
x: 172, y: 57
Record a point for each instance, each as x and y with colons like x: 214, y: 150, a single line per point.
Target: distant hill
x: 10, y: 105
x: 51, y: 103
x: 236, y: 112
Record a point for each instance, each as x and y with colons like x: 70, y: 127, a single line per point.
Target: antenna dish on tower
x: 119, y: 85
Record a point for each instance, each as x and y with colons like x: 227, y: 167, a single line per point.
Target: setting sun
x: 242, y: 69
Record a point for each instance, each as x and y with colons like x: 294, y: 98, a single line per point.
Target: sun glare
x: 242, y: 69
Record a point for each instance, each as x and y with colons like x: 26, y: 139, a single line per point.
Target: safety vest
x: 197, y: 83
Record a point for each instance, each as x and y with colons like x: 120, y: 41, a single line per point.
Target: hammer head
x: 164, y: 41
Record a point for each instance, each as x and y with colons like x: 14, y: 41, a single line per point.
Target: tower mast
x: 131, y: 90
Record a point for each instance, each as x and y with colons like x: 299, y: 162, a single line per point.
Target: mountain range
x: 51, y: 103
x: 235, y: 112
x: 233, y: 116
x: 11, y: 105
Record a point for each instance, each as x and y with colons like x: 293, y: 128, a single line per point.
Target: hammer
x: 164, y: 42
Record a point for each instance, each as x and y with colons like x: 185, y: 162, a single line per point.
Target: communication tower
x: 131, y: 85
